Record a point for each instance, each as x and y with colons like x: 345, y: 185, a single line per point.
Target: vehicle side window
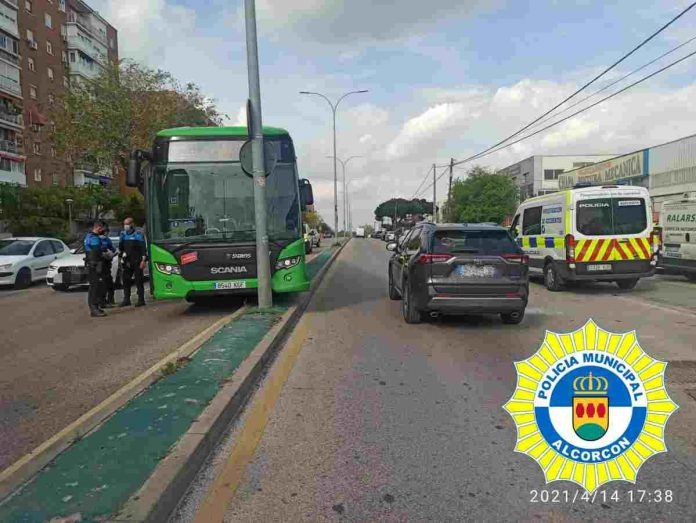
x: 403, y: 239
x: 414, y: 241
x: 43, y: 249
x: 531, y: 221
x: 515, y: 225
x: 57, y: 246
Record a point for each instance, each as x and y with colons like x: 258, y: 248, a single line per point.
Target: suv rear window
x: 481, y: 242
x: 608, y: 216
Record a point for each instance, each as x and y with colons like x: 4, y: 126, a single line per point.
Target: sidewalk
x: 98, y: 474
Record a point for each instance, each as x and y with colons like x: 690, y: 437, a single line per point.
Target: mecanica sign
x: 620, y: 168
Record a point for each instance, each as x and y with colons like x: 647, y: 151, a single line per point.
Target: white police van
x: 678, y: 225
x: 589, y: 233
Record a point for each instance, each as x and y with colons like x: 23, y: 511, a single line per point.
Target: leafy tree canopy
x: 482, y: 197
x: 99, y: 121
x: 401, y: 207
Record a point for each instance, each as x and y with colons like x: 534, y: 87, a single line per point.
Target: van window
x: 531, y: 221
x: 481, y: 242
x: 611, y: 216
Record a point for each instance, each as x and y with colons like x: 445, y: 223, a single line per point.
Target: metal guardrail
x: 16, y: 119
x: 11, y: 85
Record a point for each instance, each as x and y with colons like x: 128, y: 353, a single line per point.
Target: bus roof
x: 218, y: 131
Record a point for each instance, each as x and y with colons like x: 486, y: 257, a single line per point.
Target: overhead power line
x: 612, y: 95
x: 612, y: 84
x: 422, y: 182
x: 586, y: 85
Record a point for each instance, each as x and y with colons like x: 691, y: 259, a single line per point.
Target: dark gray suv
x: 458, y: 269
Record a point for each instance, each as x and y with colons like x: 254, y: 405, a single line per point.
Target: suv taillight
x: 427, y: 259
x: 518, y: 258
x: 570, y: 248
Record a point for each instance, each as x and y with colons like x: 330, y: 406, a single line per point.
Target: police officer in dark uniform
x: 108, y: 251
x: 133, y: 259
x: 94, y: 259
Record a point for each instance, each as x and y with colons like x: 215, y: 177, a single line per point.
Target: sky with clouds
x: 446, y: 78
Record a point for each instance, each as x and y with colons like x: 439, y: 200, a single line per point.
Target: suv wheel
x: 551, y: 278
x: 393, y: 293
x: 411, y: 315
x: 627, y: 285
x: 512, y: 318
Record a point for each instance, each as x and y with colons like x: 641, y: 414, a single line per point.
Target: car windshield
x: 15, y: 247
x: 479, y: 242
x: 611, y: 216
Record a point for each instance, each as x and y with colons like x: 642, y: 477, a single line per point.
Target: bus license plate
x: 600, y: 267
x: 226, y: 285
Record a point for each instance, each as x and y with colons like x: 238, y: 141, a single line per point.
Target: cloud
x: 337, y: 22
x: 147, y: 27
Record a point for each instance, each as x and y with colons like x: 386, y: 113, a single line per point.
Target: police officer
x: 94, y: 259
x: 133, y: 259
x: 108, y: 251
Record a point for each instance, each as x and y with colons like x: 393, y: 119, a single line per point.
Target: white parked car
x: 25, y: 260
x: 70, y: 271
x: 315, y: 237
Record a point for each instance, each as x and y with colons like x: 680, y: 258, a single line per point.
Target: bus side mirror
x: 133, y: 175
x: 306, y: 194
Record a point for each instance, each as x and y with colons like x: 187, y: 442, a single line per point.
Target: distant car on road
x: 459, y: 269
x: 315, y: 237
x: 25, y: 260
x: 360, y: 232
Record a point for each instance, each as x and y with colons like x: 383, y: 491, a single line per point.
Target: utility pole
x: 263, y: 262
x: 434, y: 194
x: 449, y: 192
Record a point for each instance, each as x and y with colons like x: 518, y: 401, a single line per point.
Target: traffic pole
x: 434, y: 194
x: 263, y: 262
x: 449, y: 192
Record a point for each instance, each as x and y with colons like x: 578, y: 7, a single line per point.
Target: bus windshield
x: 612, y: 216
x: 215, y: 202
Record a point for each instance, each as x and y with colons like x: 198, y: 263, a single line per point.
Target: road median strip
x: 155, y: 443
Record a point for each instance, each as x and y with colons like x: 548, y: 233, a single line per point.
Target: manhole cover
x: 681, y: 371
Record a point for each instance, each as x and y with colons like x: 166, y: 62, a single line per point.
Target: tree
x: 482, y: 197
x: 99, y: 121
x: 369, y: 229
x: 401, y: 208
x: 312, y: 219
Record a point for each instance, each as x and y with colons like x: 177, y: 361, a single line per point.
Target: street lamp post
x: 69, y: 201
x: 334, y: 108
x: 344, y: 164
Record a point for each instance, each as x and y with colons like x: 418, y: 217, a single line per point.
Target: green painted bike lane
x: 97, y: 474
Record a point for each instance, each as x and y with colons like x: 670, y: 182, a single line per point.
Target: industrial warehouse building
x: 667, y: 170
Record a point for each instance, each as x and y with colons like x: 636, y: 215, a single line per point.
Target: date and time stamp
x: 570, y: 496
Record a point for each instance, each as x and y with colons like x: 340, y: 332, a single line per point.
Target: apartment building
x: 12, y: 159
x: 44, y: 45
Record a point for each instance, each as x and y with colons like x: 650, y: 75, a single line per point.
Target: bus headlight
x: 168, y: 269
x: 288, y: 263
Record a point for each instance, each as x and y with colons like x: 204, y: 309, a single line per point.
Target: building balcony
x: 6, y: 146
x: 11, y: 86
x: 86, y: 25
x: 9, y: 26
x: 85, y: 69
x: 13, y: 3
x: 14, y: 121
x: 13, y: 177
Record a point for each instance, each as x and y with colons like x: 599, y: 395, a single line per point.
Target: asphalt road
x: 380, y: 420
x: 56, y: 362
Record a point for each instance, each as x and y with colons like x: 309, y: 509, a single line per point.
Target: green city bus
x: 200, y: 213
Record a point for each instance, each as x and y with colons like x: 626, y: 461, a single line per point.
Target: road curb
x: 159, y: 496
x: 30, y: 464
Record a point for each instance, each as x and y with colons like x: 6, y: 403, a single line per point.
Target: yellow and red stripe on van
x: 613, y: 249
